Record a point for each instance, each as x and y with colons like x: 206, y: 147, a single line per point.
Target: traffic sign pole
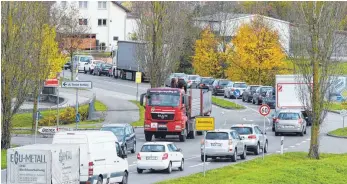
x: 76, y: 102
x: 282, y: 140
x: 205, y: 153
x: 264, y: 139
x: 264, y: 110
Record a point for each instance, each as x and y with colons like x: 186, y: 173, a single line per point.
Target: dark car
x: 125, y: 134
x: 102, y: 69
x: 260, y: 93
x: 270, y: 99
x: 219, y: 85
x: 205, y: 83
x: 248, y: 94
x: 67, y: 65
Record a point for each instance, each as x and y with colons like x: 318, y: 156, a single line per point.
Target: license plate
x: 151, y: 158
x: 216, y: 144
x: 289, y: 126
x: 162, y: 126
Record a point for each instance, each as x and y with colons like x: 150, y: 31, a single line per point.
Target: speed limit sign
x: 264, y: 110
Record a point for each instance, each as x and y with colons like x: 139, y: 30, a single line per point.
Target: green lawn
x: 140, y: 122
x: 290, y: 168
x: 339, y: 132
x: 226, y: 104
x: 99, y: 106
x: 4, y: 158
x: 337, y: 106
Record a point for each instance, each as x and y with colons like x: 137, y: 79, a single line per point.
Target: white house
x: 131, y: 26
x: 105, y: 19
x: 227, y: 24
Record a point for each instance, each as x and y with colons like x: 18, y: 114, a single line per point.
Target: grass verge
x: 4, y: 157
x: 339, y: 132
x: 226, y: 104
x: 141, y: 120
x: 337, y: 106
x: 289, y: 168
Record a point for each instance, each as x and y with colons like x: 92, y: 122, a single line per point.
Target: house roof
x: 221, y: 17
x: 121, y: 6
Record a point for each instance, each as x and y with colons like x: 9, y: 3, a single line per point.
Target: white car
x: 235, y: 90
x: 223, y: 143
x: 253, y: 137
x: 160, y: 156
x: 81, y: 61
x: 89, y: 67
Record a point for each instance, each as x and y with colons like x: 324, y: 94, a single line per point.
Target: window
x: 83, y: 22
x: 153, y: 148
x: 83, y: 4
x: 257, y: 130
x: 115, y: 38
x: 172, y: 147
x: 243, y: 130
x: 127, y: 131
x: 117, y: 131
x: 288, y: 116
x: 102, y: 22
x: 170, y: 99
x: 101, y: 4
x: 217, y: 136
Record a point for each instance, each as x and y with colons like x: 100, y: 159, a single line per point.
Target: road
x: 126, y: 90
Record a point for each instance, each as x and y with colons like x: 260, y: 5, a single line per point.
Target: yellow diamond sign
x: 344, y: 93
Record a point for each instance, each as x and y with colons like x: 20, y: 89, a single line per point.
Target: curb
x: 230, y: 108
x: 336, y: 136
x: 335, y: 112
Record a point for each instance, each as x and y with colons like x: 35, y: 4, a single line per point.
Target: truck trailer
x: 171, y: 111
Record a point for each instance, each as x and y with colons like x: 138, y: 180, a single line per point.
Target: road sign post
x: 264, y: 110
x: 282, y: 141
x: 204, y: 124
x: 343, y: 113
x: 138, y: 81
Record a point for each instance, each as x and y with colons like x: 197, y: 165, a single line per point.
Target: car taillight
x: 165, y: 156
x: 90, y: 169
x: 138, y: 156
x: 252, y: 137
x: 202, y: 141
x: 300, y: 121
x: 217, y: 86
x: 277, y: 120
x: 230, y: 142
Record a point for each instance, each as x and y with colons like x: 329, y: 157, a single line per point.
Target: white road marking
x: 199, y: 164
x: 192, y: 157
x: 132, y: 165
x: 298, y: 144
x: 292, y: 146
x: 308, y: 139
x: 303, y: 141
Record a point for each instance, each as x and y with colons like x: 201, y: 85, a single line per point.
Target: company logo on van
x: 18, y: 158
x: 66, y: 155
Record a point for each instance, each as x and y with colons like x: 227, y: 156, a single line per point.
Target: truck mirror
x: 141, y: 98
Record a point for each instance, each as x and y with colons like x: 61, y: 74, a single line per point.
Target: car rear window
x: 243, y: 130
x: 207, y: 81
x: 217, y: 136
x: 240, y: 85
x: 254, y: 87
x: 192, y: 77
x: 153, y: 148
x: 224, y: 82
x: 288, y: 116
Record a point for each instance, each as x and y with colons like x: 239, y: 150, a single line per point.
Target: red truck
x: 170, y: 111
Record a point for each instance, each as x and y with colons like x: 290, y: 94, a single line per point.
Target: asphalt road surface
x: 126, y: 90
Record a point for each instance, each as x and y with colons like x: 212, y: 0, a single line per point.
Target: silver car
x: 290, y: 121
x: 235, y: 90
x: 253, y: 137
x: 223, y: 143
x: 193, y: 80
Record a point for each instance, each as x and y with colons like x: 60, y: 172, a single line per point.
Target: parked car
x: 235, y: 89
x: 101, y: 157
x: 193, y: 81
x: 253, y: 137
x: 175, y: 75
x: 247, y: 96
x: 89, y: 67
x: 223, y: 143
x: 125, y: 134
x: 81, y: 60
x: 206, y: 83
x: 260, y: 93
x: 219, y: 85
x: 160, y: 156
x: 67, y: 65
x: 102, y: 69
x: 270, y: 99
x: 290, y: 121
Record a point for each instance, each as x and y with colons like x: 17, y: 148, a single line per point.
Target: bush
x: 66, y: 116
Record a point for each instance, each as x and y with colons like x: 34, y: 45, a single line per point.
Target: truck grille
x: 162, y: 116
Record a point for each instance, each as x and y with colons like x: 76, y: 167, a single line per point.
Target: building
x: 131, y: 27
x: 106, y: 21
x: 227, y: 24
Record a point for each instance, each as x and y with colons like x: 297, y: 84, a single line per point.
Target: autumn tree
x: 205, y: 59
x: 257, y: 55
x: 315, y: 39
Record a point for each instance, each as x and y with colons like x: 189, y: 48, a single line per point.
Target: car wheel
x: 266, y: 147
x: 84, y: 69
x: 181, y: 168
x: 163, y: 136
x: 277, y: 134
x: 273, y: 128
x: 100, y: 180
x: 99, y: 73
x: 169, y: 168
x: 148, y: 137
x: 191, y: 134
x: 93, y: 72
x: 199, y: 133
x: 134, y: 148
x: 253, y: 102
x: 234, y: 157
x: 184, y: 136
x: 305, y: 131
x: 257, y: 150
x: 301, y: 133
x: 139, y: 170
x: 125, y: 178
x: 243, y: 99
x: 90, y: 72
x: 244, y: 154
x: 225, y: 96
x: 202, y: 158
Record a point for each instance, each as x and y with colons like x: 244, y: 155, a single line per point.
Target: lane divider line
x: 199, y: 164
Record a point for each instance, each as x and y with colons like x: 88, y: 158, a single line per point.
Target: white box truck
x: 43, y: 164
x: 289, y: 90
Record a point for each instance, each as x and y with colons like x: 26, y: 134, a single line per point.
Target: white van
x: 101, y: 158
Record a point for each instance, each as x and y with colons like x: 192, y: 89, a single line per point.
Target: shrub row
x: 66, y: 116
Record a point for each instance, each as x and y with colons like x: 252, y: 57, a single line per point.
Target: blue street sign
x: 237, y: 93
x: 339, y: 98
x: 78, y: 117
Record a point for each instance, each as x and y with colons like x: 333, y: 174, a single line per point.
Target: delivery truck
x: 43, y: 164
x: 289, y: 95
x: 171, y: 111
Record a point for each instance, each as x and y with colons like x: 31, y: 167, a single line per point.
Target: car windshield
x: 179, y: 75
x: 253, y: 88
x: 117, y: 131
x: 207, y: 80
x: 193, y: 77
x: 153, y: 148
x: 288, y: 116
x: 224, y: 82
x: 107, y: 66
x: 243, y: 130
x: 85, y: 59
x: 164, y: 98
x: 217, y: 136
x: 240, y: 85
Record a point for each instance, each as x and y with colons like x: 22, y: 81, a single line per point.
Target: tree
x: 205, y: 59
x: 314, y: 42
x: 160, y: 25
x: 257, y: 55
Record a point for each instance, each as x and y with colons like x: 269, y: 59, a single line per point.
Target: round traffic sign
x: 343, y: 112
x: 237, y: 93
x: 264, y: 110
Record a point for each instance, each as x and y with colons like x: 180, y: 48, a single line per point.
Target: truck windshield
x: 164, y: 99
